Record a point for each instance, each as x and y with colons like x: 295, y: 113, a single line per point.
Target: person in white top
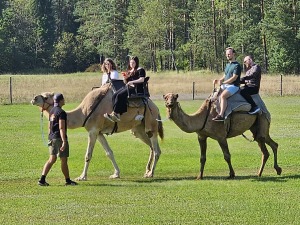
x: 109, y: 69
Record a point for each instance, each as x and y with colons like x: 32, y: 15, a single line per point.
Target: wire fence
x: 20, y: 89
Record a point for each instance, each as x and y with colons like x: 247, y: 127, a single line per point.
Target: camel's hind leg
x: 265, y: 154
x: 110, y: 155
x: 274, y: 147
x: 139, y: 132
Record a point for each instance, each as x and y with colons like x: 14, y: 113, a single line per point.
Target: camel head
x: 44, y: 100
x: 170, y: 100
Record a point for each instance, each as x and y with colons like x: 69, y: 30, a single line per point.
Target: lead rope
x: 42, y: 129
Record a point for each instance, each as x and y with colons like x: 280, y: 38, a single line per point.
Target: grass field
x: 173, y: 196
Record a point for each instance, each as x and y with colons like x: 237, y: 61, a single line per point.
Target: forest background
x: 65, y: 36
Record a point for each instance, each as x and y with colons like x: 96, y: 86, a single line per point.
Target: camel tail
x: 160, y: 128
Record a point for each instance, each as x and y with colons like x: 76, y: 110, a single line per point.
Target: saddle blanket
x: 237, y: 103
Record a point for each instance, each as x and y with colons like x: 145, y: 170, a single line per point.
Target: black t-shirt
x: 55, y: 115
x: 135, y: 75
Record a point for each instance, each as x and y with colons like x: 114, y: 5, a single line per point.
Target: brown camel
x: 201, y: 122
x: 94, y: 122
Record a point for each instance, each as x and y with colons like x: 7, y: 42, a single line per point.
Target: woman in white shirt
x: 109, y: 69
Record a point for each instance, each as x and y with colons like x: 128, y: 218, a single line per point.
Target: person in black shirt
x: 134, y: 75
x: 58, y: 141
x: 252, y: 83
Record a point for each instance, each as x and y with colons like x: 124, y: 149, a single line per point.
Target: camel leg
x: 265, y: 154
x: 203, y: 147
x: 139, y: 132
x: 154, y: 155
x: 88, y: 156
x: 110, y: 155
x: 224, y: 146
x: 274, y: 147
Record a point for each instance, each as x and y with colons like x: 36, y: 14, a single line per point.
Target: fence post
x: 193, y: 90
x: 280, y: 84
x: 10, y: 90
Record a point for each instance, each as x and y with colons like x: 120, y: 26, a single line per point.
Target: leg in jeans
x: 246, y: 92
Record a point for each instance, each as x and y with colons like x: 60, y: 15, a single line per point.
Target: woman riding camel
x: 133, y: 77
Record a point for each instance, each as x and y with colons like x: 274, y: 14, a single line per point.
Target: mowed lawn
x: 173, y: 196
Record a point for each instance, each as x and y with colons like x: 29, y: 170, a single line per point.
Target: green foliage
x: 166, y: 34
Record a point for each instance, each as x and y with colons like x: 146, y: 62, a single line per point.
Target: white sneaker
x: 139, y: 117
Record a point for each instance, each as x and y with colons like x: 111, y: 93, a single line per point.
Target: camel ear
x: 176, y: 96
x: 164, y: 96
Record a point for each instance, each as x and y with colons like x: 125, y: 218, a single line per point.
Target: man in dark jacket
x: 252, y: 83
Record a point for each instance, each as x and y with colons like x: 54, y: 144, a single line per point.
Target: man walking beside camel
x: 58, y: 142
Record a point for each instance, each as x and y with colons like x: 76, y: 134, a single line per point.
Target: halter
x: 43, y: 108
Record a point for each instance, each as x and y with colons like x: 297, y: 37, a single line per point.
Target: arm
x: 140, y: 80
x: 231, y: 79
x: 62, y: 130
x: 220, y: 81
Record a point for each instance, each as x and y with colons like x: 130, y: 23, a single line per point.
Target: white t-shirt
x: 114, y: 75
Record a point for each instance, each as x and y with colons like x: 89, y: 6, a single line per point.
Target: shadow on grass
x: 120, y: 182
x: 222, y: 178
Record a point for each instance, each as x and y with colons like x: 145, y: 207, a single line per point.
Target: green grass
x: 173, y: 196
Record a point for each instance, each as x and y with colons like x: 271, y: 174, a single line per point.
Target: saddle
x: 135, y: 99
x: 237, y: 103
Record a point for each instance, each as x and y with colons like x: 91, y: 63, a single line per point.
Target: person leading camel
x: 58, y: 141
x: 229, y: 82
x: 252, y: 83
x: 109, y: 70
x: 134, y: 76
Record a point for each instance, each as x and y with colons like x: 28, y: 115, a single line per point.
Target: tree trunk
x: 264, y: 37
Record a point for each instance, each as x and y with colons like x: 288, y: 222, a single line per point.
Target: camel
x: 89, y: 114
x: 201, y: 122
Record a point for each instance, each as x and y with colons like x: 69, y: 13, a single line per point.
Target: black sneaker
x: 218, y: 118
x: 72, y: 183
x: 41, y: 183
x: 254, y: 110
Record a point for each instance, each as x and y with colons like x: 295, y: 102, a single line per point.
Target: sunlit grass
x: 173, y: 196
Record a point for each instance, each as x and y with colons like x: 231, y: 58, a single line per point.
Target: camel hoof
x: 148, y: 175
x: 231, y: 177
x: 278, y: 170
x: 81, y: 178
x: 199, y: 178
x: 114, y: 176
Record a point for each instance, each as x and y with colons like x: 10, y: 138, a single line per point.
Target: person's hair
x: 137, y: 62
x: 108, y: 60
x: 230, y: 48
x: 250, y: 56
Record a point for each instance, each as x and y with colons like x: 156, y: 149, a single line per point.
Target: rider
x: 252, y: 83
x: 229, y: 82
x: 133, y: 76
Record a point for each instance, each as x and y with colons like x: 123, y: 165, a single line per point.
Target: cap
x: 57, y: 97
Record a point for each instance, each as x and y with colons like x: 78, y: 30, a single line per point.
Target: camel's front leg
x: 224, y: 146
x: 88, y: 155
x: 110, y: 155
x: 203, y: 146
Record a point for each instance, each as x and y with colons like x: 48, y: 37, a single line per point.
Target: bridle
x: 43, y: 107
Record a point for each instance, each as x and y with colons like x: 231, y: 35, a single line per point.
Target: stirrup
x: 108, y: 116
